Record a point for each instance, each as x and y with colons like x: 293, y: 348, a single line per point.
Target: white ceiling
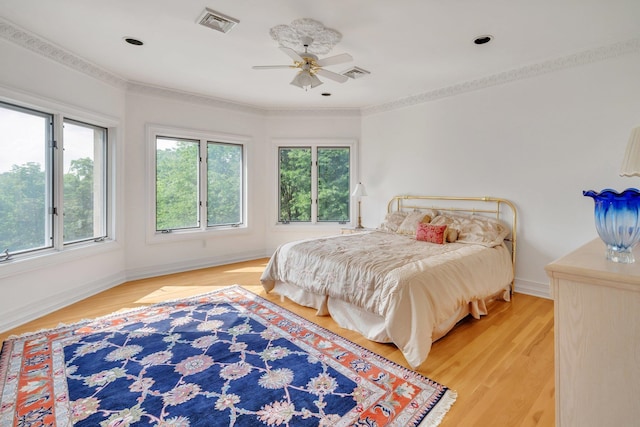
x: 409, y: 46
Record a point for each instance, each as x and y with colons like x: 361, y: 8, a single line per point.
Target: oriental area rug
x: 226, y: 358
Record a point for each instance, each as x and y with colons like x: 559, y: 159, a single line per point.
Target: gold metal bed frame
x: 488, y: 206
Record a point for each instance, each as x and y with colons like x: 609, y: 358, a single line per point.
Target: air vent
x: 355, y: 72
x: 217, y: 21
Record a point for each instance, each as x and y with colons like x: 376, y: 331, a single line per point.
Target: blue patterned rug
x: 227, y: 358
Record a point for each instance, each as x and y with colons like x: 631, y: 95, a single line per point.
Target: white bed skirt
x: 370, y: 325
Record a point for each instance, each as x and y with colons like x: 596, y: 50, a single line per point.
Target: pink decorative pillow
x: 431, y: 233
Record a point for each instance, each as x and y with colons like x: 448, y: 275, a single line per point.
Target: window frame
x: 154, y: 131
x: 105, y: 179
x: 59, y: 251
x: 314, y: 144
x: 48, y: 151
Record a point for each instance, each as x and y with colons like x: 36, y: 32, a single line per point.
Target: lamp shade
x: 305, y: 80
x: 302, y: 79
x: 631, y: 161
x: 359, y: 191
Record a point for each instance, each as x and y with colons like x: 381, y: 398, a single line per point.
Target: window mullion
x: 202, y: 184
x: 56, y: 185
x: 314, y: 184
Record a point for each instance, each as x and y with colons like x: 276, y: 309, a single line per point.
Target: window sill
x: 36, y: 260
x: 195, y: 234
x: 306, y: 227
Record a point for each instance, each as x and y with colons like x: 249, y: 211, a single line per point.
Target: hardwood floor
x: 501, y: 366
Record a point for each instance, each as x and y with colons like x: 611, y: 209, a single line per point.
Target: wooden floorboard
x: 501, y: 366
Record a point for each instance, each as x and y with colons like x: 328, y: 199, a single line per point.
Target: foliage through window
x: 30, y: 200
x: 314, y: 184
x: 195, y: 179
x: 85, y: 195
x: 224, y: 176
x: 177, y: 166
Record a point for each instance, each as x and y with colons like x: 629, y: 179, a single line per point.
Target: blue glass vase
x: 617, y: 221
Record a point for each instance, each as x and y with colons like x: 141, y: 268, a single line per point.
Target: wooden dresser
x: 597, y: 338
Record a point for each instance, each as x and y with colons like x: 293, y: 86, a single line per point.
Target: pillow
x: 392, y: 221
x: 474, y: 228
x: 452, y: 235
x: 410, y: 223
x: 431, y: 233
x: 427, y: 219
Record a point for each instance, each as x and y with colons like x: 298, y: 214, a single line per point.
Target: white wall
x: 33, y: 287
x: 148, y: 258
x: 538, y: 142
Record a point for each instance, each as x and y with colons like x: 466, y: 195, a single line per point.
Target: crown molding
x: 193, y: 98
x: 318, y: 112
x: 31, y: 41
x: 47, y: 49
x: 149, y: 90
x: 574, y: 60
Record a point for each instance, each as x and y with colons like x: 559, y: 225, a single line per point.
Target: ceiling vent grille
x: 356, y: 72
x: 217, y: 21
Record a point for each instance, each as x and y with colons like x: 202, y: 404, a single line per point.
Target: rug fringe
x: 437, y: 413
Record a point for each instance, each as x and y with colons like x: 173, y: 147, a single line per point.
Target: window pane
x: 295, y: 184
x: 84, y: 181
x: 24, y: 179
x: 176, y: 183
x: 224, y: 176
x: 333, y: 184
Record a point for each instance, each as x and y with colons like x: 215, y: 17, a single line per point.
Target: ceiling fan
x: 310, y: 66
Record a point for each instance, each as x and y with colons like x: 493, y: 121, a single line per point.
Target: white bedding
x: 410, y: 287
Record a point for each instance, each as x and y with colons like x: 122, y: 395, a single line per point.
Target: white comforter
x: 413, y: 285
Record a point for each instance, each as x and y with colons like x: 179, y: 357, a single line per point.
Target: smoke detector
x: 217, y: 21
x: 356, y: 72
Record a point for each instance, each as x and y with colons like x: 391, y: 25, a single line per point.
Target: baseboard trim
x: 536, y: 289
x: 179, y: 267
x: 41, y: 308
x: 45, y: 306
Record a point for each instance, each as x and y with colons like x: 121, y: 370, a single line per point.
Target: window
x: 295, y: 184
x: 177, y: 166
x: 85, y: 182
x: 197, y: 178
x: 224, y: 183
x: 333, y: 184
x: 314, y: 183
x: 36, y: 213
x: 26, y: 138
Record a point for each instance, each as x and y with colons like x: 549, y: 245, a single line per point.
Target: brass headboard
x: 498, y: 208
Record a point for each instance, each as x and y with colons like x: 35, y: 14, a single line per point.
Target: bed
x: 433, y: 261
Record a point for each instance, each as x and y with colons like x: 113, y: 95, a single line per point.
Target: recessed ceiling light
x: 326, y: 94
x: 133, y: 41
x: 483, y: 39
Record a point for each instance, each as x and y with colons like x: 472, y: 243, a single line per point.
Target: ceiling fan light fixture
x: 305, y: 80
x: 300, y: 79
x: 315, y: 81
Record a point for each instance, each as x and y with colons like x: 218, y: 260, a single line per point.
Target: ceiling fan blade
x: 331, y: 75
x: 292, y: 54
x: 337, y: 59
x: 271, y: 67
